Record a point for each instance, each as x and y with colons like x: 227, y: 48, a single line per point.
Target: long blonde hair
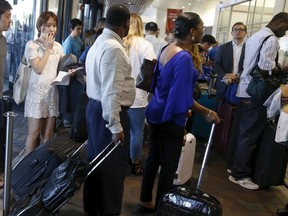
x: 196, y: 58
x: 136, y: 30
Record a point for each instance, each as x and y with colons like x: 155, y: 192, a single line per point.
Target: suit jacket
x: 224, y: 64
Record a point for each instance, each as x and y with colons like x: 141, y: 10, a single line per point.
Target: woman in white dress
x: 41, y: 103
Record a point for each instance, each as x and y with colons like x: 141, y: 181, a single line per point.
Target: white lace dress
x: 42, y: 99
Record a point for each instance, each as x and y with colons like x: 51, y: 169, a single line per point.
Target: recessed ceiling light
x: 183, y: 7
x: 129, y: 3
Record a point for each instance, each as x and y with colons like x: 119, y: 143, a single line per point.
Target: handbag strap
x: 23, y: 60
x: 258, y: 56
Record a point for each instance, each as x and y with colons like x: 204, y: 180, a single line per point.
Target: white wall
x: 205, y: 10
x: 155, y: 15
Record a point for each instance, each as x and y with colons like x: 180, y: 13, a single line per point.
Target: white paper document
x: 63, y: 78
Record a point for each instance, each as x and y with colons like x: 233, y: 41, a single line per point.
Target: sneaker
x: 229, y: 171
x: 245, y: 182
x: 66, y: 123
x: 282, y: 212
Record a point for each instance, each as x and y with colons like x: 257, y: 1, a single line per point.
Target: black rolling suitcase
x: 5, y: 106
x: 78, y: 128
x: 271, y: 159
x: 187, y: 201
x: 63, y: 183
x: 38, y: 165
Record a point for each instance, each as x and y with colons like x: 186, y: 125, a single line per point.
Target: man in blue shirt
x: 73, y: 43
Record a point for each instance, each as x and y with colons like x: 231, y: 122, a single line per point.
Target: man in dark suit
x: 228, y: 63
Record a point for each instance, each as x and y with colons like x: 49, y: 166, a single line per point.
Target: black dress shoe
x: 143, y: 209
x: 282, y: 212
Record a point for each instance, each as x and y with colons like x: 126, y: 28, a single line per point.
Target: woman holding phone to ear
x: 41, y: 103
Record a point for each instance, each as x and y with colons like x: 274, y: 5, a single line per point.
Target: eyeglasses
x: 203, y: 27
x: 239, y: 30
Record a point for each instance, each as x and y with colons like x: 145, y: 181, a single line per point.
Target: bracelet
x: 209, y: 112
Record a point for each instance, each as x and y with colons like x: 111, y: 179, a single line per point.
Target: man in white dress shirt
x: 253, y: 113
x: 228, y: 63
x: 111, y: 90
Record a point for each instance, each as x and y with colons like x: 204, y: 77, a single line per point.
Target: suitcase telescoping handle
x: 103, y: 155
x: 79, y: 148
x: 205, y: 156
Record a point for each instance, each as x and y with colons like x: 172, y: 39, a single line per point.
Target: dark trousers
x: 103, y: 190
x: 165, y: 148
x: 252, y: 123
x: 70, y: 98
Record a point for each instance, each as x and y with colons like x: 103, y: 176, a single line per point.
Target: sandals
x: 136, y: 169
x: 144, y: 209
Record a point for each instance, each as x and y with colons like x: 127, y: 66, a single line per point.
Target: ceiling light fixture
x: 129, y: 3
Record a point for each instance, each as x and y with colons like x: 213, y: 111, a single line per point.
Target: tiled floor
x: 235, y: 200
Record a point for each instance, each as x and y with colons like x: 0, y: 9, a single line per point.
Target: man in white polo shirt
x: 253, y: 113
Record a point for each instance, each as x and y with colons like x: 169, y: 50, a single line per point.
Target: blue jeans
x: 137, y: 118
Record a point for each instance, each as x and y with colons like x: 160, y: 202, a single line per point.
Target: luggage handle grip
x: 103, y: 158
x: 37, y: 176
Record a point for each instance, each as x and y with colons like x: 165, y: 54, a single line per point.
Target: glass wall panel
x: 53, y: 6
x: 21, y: 31
x: 238, y: 14
x: 286, y: 6
x: 223, y: 25
x: 255, y: 14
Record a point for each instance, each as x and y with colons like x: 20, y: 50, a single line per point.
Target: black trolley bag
x: 187, y: 201
x: 78, y: 128
x: 38, y: 165
x: 64, y: 182
x: 270, y: 161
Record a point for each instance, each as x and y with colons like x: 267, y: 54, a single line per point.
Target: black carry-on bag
x: 270, y: 161
x: 63, y: 183
x: 187, y: 201
x: 38, y: 165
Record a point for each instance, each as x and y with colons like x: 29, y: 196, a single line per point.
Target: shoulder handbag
x: 21, y: 81
x: 145, y: 76
x: 230, y: 94
x: 262, y: 85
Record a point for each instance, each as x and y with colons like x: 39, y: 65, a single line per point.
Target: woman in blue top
x: 169, y: 107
